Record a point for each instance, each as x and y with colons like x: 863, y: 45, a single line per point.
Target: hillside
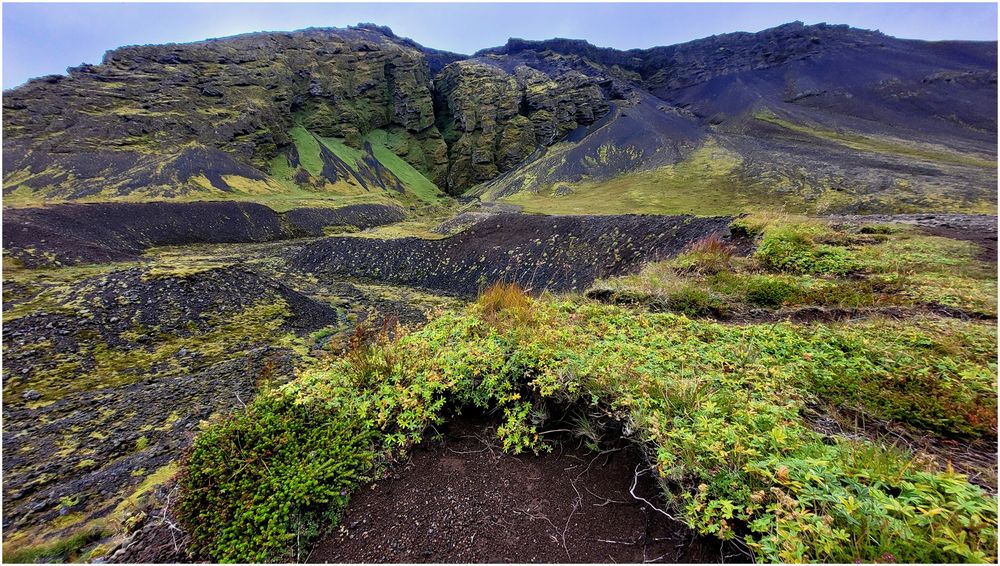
x: 815, y: 118
x: 332, y: 296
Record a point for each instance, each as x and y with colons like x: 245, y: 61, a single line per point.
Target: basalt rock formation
x: 800, y: 111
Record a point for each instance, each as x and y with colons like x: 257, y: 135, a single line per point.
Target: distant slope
x: 329, y: 166
x: 810, y: 118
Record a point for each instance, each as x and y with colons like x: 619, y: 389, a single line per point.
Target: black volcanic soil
x: 102, y: 232
x: 68, y: 433
x: 463, y: 500
x: 541, y: 253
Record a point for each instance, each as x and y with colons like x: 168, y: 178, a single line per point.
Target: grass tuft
x: 706, y: 256
x: 508, y: 302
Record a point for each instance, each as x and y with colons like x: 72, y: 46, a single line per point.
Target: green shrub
x: 258, y: 483
x: 879, y: 229
x: 795, y: 248
x: 369, y: 355
x: 768, y: 291
x: 941, y: 378
x: 693, y: 301
x: 717, y: 406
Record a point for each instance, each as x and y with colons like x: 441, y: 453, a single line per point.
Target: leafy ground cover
x: 800, y: 262
x: 719, y: 409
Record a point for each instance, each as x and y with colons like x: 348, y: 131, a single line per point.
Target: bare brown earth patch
x: 462, y: 499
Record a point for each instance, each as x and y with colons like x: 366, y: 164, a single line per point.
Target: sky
x: 45, y: 38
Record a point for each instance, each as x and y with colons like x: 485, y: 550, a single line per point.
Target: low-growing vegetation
x: 257, y: 483
x: 718, y: 408
x: 801, y: 262
x: 69, y: 549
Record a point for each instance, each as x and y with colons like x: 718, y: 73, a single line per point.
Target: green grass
x: 308, y: 148
x: 412, y: 179
x: 279, y: 192
x: 705, y: 183
x: 67, y: 549
x: 350, y: 155
x: 285, y: 196
x: 802, y: 262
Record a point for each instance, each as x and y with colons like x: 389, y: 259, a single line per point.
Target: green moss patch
x: 257, y: 484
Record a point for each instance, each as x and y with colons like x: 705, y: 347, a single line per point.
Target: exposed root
x: 635, y: 483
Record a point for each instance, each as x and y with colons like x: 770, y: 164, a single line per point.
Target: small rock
x: 31, y: 394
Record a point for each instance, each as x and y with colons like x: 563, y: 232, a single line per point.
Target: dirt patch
x: 463, y: 500
x: 103, y: 232
x: 541, y: 253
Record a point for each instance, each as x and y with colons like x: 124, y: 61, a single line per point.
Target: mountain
x: 816, y: 118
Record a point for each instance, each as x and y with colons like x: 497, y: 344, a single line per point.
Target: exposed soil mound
x: 554, y: 253
x: 103, y: 232
x: 464, y: 500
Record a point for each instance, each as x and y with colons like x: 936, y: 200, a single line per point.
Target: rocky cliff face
x: 350, y: 111
x: 239, y: 95
x: 235, y: 100
x: 494, y: 119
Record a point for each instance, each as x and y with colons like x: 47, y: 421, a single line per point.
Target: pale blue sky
x: 41, y: 39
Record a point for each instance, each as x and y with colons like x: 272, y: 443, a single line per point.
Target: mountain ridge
x: 217, y: 119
